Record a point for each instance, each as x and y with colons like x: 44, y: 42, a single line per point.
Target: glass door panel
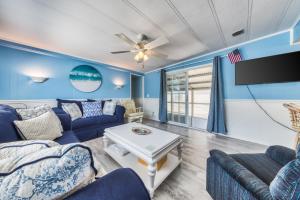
x: 188, y: 96
x: 177, y: 98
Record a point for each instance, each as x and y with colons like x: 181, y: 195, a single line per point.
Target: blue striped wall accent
x: 18, y: 60
x: 277, y: 44
x: 297, y: 32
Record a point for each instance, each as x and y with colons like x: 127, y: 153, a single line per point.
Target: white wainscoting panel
x: 246, y: 121
x: 151, y: 108
x: 139, y: 102
x: 29, y: 103
x: 37, y: 102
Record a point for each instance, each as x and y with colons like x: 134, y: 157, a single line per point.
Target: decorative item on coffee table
x: 141, y: 130
x: 159, y: 163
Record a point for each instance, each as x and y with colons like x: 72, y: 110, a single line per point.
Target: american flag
x: 235, y: 56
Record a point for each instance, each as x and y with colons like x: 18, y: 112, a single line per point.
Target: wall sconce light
x: 119, y: 84
x: 37, y: 79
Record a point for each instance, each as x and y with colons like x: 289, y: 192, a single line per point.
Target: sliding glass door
x: 177, y: 98
x: 189, y: 96
x: 199, y: 82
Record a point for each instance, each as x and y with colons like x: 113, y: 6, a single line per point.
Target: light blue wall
x: 15, y: 64
x: 152, y: 84
x: 297, y: 32
x: 277, y: 44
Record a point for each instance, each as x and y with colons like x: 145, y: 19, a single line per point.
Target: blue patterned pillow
x: 91, y: 109
x: 286, y: 184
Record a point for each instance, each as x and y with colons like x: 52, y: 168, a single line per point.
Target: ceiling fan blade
x: 157, y: 54
x: 117, y: 52
x: 126, y: 39
x: 156, y: 43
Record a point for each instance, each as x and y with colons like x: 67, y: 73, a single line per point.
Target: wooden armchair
x: 133, y: 114
x: 295, y: 120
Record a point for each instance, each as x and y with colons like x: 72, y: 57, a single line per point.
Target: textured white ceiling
x: 86, y: 28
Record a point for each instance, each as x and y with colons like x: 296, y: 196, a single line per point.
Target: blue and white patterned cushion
x: 50, y: 171
x: 91, y: 109
x: 286, y: 184
x: 109, y: 108
x: 29, y: 113
x: 73, y: 110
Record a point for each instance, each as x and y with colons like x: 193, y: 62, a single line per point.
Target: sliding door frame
x: 188, y: 121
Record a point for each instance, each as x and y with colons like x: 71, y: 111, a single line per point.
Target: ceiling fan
x: 143, y: 49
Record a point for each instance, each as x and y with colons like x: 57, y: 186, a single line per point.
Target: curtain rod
x: 196, y: 62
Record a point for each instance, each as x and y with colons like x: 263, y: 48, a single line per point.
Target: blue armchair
x: 245, y: 176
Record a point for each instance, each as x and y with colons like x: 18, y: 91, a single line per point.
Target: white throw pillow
x: 43, y: 127
x: 109, y: 108
x: 73, y: 110
x: 29, y: 113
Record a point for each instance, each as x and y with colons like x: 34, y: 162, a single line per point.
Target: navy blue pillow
x: 91, y: 100
x: 286, y: 184
x: 60, y: 101
x: 8, y: 132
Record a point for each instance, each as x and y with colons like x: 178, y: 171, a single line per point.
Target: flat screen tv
x: 272, y: 69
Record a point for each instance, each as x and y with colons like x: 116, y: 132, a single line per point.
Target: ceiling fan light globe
x: 146, y: 57
x: 136, y: 57
x: 141, y: 54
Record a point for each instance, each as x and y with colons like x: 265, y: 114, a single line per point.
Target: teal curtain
x: 216, y: 116
x: 163, y: 116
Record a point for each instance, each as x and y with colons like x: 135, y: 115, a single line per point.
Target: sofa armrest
x: 280, y: 154
x: 64, y: 118
x: 243, y: 176
x: 118, y: 185
x: 120, y: 111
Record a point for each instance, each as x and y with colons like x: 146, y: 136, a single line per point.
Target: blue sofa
x: 245, y: 176
x: 121, y: 184
x: 92, y: 127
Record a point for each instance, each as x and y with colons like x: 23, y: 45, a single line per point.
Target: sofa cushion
x: 67, y: 137
x: 91, y: 109
x: 61, y: 101
x: 286, y: 184
x: 91, y: 121
x: 260, y: 165
x: 48, y: 173
x: 112, y: 187
x: 44, y: 127
x: 28, y: 113
x: 109, y: 108
x: 73, y: 110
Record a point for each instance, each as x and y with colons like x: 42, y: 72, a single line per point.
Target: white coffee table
x: 151, y: 148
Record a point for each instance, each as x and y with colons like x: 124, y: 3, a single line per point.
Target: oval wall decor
x: 85, y: 78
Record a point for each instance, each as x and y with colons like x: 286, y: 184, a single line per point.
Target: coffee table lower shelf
x: 131, y: 161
